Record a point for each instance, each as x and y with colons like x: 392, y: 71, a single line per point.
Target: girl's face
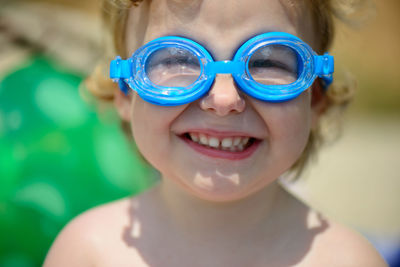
x: 257, y: 141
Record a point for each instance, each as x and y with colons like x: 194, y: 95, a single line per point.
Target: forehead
x: 223, y: 25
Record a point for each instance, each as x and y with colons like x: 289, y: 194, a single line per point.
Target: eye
x: 173, y: 67
x: 273, y: 65
x: 269, y: 63
x: 173, y: 61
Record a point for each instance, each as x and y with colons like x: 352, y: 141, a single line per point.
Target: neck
x: 199, y: 218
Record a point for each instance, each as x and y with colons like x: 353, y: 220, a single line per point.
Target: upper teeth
x: 228, y: 143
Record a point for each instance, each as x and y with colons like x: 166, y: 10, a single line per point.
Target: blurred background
x: 61, y: 155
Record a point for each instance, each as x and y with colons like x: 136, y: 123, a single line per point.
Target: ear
x: 122, y: 103
x: 319, y: 102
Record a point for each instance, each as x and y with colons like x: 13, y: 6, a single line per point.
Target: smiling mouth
x: 229, y: 147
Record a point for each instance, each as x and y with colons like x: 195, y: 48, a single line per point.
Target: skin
x: 209, y: 211
x: 284, y: 127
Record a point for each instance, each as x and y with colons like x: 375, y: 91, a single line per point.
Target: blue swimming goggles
x: 171, y: 71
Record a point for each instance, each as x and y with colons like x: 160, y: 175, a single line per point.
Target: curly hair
x: 323, y: 15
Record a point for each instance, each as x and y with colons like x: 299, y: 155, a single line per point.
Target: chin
x: 221, y: 188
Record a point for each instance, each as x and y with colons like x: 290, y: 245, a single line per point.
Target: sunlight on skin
x: 313, y: 220
x: 203, y: 182
x: 234, y: 178
x: 136, y: 229
x: 206, y: 182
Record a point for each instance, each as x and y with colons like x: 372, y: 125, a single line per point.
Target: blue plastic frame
x: 132, y: 71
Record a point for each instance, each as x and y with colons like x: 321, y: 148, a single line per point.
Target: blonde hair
x: 323, y: 12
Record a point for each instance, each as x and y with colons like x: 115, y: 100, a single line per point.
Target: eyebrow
x: 204, y: 45
x: 208, y: 48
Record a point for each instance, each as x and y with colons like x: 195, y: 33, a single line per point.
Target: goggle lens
x: 274, y: 65
x: 172, y: 67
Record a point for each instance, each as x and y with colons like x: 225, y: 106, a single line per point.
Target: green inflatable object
x: 57, y: 159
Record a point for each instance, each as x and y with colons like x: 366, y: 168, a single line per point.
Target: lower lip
x: 222, y: 154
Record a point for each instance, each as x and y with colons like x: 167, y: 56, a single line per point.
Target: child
x: 221, y: 130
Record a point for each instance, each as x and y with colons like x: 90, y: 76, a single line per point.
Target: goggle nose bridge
x: 224, y: 67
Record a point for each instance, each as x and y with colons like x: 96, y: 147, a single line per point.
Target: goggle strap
x: 324, y: 65
x: 326, y: 80
x: 123, y: 86
x: 120, y: 69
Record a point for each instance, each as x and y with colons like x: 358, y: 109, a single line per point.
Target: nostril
x: 222, y: 105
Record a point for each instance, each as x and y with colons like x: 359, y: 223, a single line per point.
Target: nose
x: 223, y: 97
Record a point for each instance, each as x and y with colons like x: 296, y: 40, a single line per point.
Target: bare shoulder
x: 339, y: 245
x: 81, y: 241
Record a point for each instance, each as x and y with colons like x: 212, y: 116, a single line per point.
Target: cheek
x: 289, y: 126
x: 147, y: 125
x: 150, y: 126
x: 295, y: 120
x: 150, y: 120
